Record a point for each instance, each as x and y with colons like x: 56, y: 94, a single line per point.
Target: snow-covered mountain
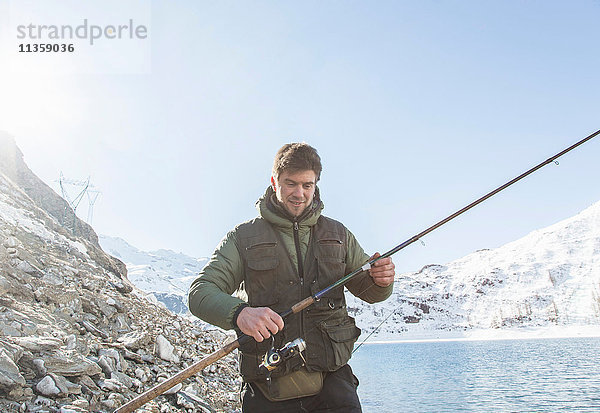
x: 551, y: 277
x: 164, y: 273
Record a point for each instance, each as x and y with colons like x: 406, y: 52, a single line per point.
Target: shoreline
x: 523, y: 333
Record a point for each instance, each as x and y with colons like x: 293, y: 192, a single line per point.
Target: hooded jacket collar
x: 270, y: 209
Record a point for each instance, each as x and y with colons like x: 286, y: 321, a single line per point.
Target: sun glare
x: 35, y: 107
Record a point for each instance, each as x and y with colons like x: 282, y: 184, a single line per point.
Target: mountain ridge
x: 549, y: 277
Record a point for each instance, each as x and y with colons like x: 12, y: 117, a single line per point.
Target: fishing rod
x: 307, y: 302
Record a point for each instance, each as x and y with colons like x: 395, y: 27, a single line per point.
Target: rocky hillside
x: 75, y: 334
x: 550, y: 277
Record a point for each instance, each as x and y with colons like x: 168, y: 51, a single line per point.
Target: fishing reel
x: 275, y: 357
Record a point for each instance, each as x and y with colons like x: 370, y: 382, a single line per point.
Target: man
x: 286, y: 254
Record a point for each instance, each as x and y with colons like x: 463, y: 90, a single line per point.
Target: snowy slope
x: 551, y: 277
x: 164, y: 273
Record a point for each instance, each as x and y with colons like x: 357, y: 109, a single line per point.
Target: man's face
x: 295, y: 190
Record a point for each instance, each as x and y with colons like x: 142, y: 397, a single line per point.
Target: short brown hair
x: 296, y: 157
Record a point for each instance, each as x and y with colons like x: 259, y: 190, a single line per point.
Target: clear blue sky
x: 416, y: 108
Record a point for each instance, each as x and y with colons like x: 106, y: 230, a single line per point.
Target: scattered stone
x: 88, y: 385
x: 165, y: 349
x: 123, y: 287
x: 107, y: 365
x: 135, y: 340
x: 53, y: 279
x: 66, y: 387
x: 124, y: 379
x: 10, y: 376
x: 81, y: 404
x: 38, y: 344
x: 47, y: 387
x: 190, y: 401
x: 70, y: 364
x: 90, y: 327
x: 143, y: 374
x: 5, y: 285
x: 71, y: 409
x: 112, y: 385
x: 28, y: 268
x: 39, y: 367
x: 11, y: 242
x: 108, y: 310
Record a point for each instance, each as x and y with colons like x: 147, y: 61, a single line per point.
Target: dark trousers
x: 338, y: 396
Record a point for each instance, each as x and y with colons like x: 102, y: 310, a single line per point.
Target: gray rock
x: 71, y: 409
x: 28, y: 268
x: 81, y: 404
x: 124, y: 287
x: 121, y: 324
x: 9, y: 330
x: 11, y: 242
x: 38, y: 344
x: 71, y: 364
x: 191, y: 401
x: 92, y: 329
x: 165, y: 349
x: 10, y: 376
x: 39, y: 367
x: 135, y: 340
x: 118, y: 304
x: 53, y: 279
x: 109, y: 404
x: 112, y: 385
x: 107, y: 364
x: 119, y: 362
x: 5, y: 285
x: 12, y: 350
x: 88, y: 385
x: 108, y: 310
x: 143, y: 374
x: 47, y: 387
x: 65, y: 386
x: 28, y: 327
x: 71, y: 342
x: 147, y: 358
x: 124, y: 379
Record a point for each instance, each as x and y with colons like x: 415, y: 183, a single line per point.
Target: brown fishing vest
x: 272, y: 280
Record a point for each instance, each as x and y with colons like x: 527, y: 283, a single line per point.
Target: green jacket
x: 211, y: 296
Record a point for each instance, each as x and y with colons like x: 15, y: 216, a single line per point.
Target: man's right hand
x: 259, y: 322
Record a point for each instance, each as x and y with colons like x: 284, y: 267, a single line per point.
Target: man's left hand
x: 382, y: 271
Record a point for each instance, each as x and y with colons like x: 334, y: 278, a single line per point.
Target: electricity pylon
x: 81, y: 189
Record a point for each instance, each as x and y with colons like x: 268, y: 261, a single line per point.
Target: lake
x: 541, y: 375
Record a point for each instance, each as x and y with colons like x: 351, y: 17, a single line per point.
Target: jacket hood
x: 270, y: 209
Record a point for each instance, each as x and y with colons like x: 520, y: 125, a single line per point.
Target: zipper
x: 298, y: 253
x: 300, y: 270
x: 262, y: 245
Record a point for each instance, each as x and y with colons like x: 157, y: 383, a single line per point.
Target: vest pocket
x: 261, y: 274
x: 250, y: 357
x: 338, y: 339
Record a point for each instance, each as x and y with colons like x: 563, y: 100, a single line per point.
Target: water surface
x: 541, y: 375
